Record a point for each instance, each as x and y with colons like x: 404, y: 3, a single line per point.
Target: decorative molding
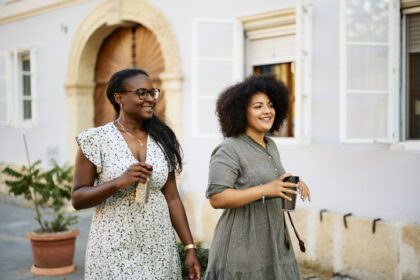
x: 274, y: 19
x: 409, y: 3
x: 15, y: 10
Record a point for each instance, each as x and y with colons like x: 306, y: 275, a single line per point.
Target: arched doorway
x: 102, y: 21
x: 126, y: 47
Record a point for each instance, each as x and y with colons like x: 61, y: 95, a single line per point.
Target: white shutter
x: 5, y: 87
x: 272, y: 50
x: 217, y: 64
x: 368, y: 71
x: 303, y: 70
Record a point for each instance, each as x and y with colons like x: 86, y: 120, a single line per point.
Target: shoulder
x: 95, y: 133
x: 228, y: 147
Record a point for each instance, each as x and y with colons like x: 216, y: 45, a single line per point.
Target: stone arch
x: 87, y: 41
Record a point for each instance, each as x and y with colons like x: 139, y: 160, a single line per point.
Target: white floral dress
x: 127, y: 240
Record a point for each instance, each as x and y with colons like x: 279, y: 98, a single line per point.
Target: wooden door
x: 126, y: 47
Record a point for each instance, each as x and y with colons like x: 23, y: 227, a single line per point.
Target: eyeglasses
x: 144, y: 92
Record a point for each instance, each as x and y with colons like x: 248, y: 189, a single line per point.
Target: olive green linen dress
x: 248, y: 242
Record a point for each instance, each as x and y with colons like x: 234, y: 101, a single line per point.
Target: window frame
x: 19, y: 120
x: 393, y: 77
x: 296, y: 21
x: 403, y: 142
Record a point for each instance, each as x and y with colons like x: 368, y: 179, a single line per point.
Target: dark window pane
x: 283, y: 72
x: 26, y: 85
x: 26, y: 63
x: 27, y: 109
x: 414, y: 97
x: 416, y: 70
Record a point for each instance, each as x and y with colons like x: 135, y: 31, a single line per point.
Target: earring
x: 121, y: 106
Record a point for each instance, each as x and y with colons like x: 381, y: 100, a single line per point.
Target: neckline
x: 256, y: 143
x: 127, y: 148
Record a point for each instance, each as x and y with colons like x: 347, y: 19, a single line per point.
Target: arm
x: 234, y: 198
x: 180, y: 223
x: 84, y: 195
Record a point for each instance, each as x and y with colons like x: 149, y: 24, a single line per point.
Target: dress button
x: 275, y: 169
x: 269, y: 157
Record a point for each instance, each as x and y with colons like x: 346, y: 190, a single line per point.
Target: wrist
x: 189, y: 247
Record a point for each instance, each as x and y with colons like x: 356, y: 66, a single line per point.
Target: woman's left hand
x: 193, y: 265
x: 304, y: 191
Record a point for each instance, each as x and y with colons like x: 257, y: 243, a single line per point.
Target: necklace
x: 129, y: 133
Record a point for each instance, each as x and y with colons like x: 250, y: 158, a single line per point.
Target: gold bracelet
x: 189, y: 246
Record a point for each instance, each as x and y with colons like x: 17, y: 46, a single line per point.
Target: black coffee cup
x: 290, y: 205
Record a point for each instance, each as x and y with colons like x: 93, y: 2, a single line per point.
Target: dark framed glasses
x: 144, y: 92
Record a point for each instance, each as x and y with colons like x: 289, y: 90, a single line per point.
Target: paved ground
x: 15, y: 250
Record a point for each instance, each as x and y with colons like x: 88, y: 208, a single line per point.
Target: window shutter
x: 272, y: 50
x: 217, y: 64
x: 368, y: 71
x: 414, y: 33
x: 5, y: 84
x: 303, y: 70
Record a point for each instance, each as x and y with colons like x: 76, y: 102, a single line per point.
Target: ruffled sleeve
x: 90, y: 144
x: 224, y: 169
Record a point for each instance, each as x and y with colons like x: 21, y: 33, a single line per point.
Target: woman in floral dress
x: 126, y: 170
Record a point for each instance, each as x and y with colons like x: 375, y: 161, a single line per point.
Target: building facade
x: 353, y: 131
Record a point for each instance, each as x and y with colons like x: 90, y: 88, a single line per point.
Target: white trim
x: 376, y: 44
x: 402, y: 105
x: 299, y: 57
x: 215, y: 59
x: 394, y: 70
x: 353, y: 91
x: 30, y: 8
x: 343, y: 71
x: 407, y: 145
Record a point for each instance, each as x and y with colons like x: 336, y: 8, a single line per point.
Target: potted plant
x: 53, y: 243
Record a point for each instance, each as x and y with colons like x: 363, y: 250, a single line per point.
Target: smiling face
x: 131, y: 103
x: 260, y: 114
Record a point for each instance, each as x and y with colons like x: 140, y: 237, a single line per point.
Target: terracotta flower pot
x: 53, y: 252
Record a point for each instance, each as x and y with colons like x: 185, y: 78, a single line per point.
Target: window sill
x: 407, y: 145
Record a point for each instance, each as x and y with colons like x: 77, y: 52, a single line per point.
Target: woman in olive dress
x: 251, y: 241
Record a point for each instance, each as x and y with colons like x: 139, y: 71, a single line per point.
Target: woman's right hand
x: 136, y: 173
x: 279, y: 188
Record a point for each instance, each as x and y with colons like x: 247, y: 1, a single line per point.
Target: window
x: 17, y: 88
x: 25, y: 86
x: 369, y: 73
x: 279, y: 43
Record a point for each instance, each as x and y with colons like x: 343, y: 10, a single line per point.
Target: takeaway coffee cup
x: 289, y: 205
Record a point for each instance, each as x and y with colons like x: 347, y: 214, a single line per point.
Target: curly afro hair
x: 232, y: 104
